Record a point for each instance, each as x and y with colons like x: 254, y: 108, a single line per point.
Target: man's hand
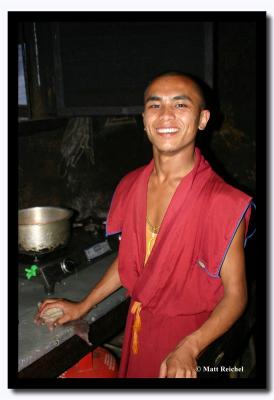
x: 181, y: 363
x: 71, y: 311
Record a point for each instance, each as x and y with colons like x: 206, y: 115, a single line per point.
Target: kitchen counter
x: 35, y: 342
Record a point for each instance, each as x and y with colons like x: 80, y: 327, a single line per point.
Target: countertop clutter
x: 35, y: 342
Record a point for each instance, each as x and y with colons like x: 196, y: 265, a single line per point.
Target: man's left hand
x: 181, y: 363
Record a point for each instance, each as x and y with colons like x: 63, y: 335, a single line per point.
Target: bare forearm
x: 234, y: 301
x: 70, y: 310
x: 222, y: 318
x: 107, y: 285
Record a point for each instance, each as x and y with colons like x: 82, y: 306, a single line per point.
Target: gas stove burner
x: 48, y: 271
x: 49, y: 268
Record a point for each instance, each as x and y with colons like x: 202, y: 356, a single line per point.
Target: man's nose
x: 167, y: 112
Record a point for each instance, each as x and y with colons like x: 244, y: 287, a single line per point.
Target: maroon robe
x: 180, y: 284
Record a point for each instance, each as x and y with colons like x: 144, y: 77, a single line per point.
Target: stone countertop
x: 36, y: 341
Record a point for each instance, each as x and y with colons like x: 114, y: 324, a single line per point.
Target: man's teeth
x: 167, y: 130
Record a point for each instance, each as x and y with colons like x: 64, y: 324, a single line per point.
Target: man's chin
x: 168, y: 151
x: 173, y: 150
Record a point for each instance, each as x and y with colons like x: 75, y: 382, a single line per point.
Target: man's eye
x: 180, y: 105
x: 154, y: 106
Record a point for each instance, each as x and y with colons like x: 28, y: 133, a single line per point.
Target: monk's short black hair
x: 200, y: 85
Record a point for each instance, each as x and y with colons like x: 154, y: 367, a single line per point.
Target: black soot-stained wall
x: 79, y: 171
x: 234, y: 143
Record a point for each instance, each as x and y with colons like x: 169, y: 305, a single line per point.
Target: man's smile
x: 167, y: 131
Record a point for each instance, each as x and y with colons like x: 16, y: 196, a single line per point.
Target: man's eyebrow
x: 179, y: 97
x: 153, y: 98
x: 182, y: 97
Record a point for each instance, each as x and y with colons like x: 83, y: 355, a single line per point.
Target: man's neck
x: 173, y: 166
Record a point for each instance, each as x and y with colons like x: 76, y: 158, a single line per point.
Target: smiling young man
x: 181, y: 254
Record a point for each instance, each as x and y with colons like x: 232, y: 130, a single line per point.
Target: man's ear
x: 204, y: 117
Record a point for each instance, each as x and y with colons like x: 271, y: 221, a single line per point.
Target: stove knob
x: 68, y: 265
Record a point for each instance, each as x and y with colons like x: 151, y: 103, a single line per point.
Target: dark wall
x: 76, y: 169
x: 234, y: 143
x: 39, y: 179
x: 133, y: 52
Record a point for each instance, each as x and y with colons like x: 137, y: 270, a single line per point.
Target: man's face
x: 173, y: 114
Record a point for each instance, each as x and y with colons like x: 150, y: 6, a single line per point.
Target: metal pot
x: 43, y: 229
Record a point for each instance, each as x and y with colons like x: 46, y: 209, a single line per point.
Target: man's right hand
x: 71, y: 311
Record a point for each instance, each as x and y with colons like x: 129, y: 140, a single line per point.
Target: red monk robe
x: 180, y: 284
